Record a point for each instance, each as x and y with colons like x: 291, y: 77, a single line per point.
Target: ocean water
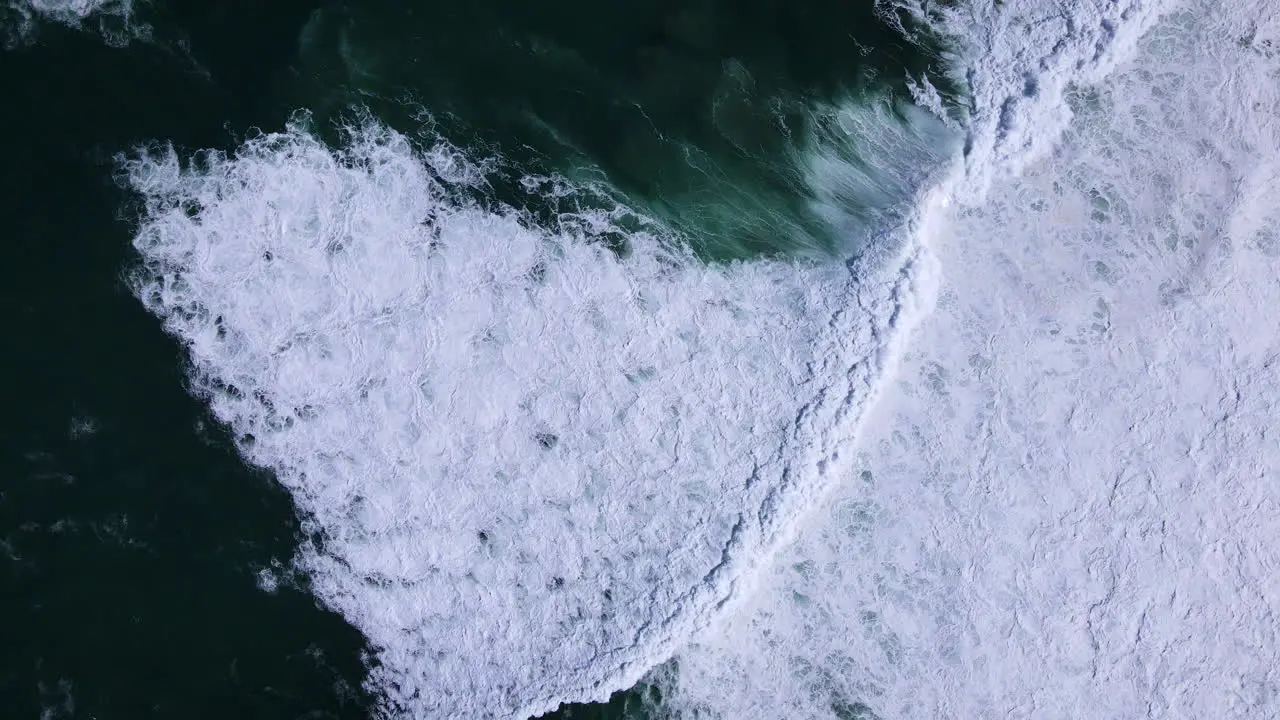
x: 651, y: 361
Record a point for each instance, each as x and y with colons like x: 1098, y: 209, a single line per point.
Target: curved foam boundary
x: 531, y: 468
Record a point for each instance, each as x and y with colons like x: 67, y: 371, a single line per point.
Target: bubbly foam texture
x: 1067, y: 505
x: 114, y: 19
x: 1019, y: 59
x: 532, y: 467
x: 77, y: 9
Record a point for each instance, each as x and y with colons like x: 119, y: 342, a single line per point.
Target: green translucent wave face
x: 738, y: 122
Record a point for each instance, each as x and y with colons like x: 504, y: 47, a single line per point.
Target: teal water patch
x: 642, y: 702
x: 710, y: 119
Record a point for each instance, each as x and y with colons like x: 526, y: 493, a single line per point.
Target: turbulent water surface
x: 645, y: 360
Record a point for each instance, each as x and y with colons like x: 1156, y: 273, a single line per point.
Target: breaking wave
x: 533, y: 459
x: 1061, y: 505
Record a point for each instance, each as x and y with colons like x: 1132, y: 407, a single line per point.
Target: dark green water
x: 699, y: 111
x: 131, y: 534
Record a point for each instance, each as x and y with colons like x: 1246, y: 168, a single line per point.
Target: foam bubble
x: 1066, y: 503
x: 532, y: 466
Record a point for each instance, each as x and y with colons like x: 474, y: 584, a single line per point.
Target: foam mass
x: 114, y: 19
x: 1018, y: 60
x: 1065, y: 504
x: 531, y: 466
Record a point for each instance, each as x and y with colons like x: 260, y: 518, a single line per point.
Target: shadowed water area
x: 133, y: 538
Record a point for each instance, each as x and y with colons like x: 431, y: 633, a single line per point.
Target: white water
x: 536, y: 469
x: 113, y: 19
x: 1066, y: 505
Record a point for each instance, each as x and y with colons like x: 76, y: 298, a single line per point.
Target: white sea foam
x: 71, y: 10
x: 1018, y: 59
x: 1069, y: 499
x: 114, y: 19
x: 532, y: 468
